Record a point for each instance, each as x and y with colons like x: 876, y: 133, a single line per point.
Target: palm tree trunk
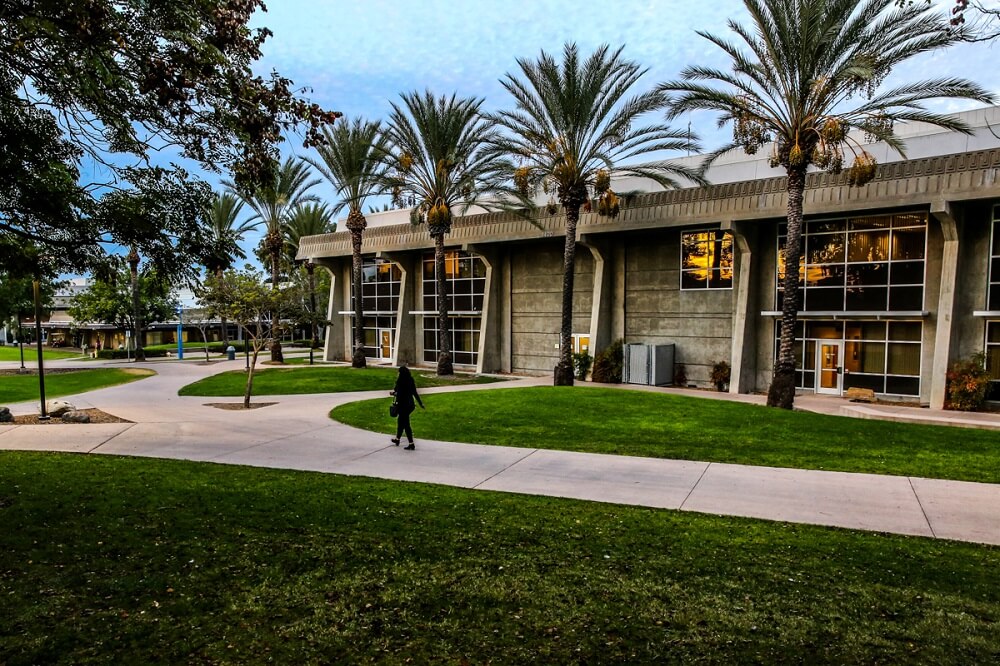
x: 358, y: 359
x: 445, y: 366
x: 564, y: 369
x: 782, y: 390
x: 276, y: 355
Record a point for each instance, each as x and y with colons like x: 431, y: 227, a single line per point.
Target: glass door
x: 830, y: 378
x: 385, y: 343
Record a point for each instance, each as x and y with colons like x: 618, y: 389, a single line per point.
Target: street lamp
x: 36, y: 288
x: 180, y: 333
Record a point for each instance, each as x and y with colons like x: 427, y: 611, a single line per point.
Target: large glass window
x: 466, y: 276
x: 380, y: 284
x: 878, y: 355
x: 873, y: 263
x: 706, y: 259
x: 993, y: 358
x: 994, y: 268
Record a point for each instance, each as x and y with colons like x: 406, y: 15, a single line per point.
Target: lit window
x: 707, y: 259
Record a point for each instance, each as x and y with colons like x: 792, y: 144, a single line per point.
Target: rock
x: 76, y: 416
x: 5, y: 415
x: 58, y: 407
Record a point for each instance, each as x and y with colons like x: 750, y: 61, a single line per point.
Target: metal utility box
x: 651, y: 365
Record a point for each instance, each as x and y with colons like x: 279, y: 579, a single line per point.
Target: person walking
x: 405, y: 393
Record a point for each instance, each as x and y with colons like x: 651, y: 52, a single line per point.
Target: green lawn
x: 20, y: 388
x: 658, y: 425
x: 290, y: 381
x: 13, y: 353
x: 108, y: 560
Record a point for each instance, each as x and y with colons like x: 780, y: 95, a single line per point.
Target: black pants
x: 403, y: 425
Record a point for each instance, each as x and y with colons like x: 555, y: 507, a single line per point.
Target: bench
x: 860, y: 395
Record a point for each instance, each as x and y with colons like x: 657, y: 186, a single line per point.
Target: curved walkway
x: 297, y: 434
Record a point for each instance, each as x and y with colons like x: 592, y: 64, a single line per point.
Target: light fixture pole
x: 36, y: 288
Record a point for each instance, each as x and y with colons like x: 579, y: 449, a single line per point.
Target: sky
x: 356, y: 56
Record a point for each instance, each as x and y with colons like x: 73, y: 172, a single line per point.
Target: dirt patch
x: 96, y: 416
x: 235, y: 406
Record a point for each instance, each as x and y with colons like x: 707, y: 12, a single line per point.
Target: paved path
x: 296, y: 434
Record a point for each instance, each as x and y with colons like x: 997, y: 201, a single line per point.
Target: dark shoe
x: 410, y: 447
x: 394, y: 441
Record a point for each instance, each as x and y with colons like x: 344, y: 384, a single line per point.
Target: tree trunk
x: 444, y: 366
x: 358, y: 357
x: 249, y: 389
x: 563, y: 374
x: 276, y: 355
x: 782, y: 390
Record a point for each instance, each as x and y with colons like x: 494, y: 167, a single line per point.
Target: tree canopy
x: 109, y: 298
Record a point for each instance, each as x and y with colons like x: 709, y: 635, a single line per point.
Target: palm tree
x: 223, y: 234
x: 352, y: 159
x: 440, y: 159
x: 313, y: 219
x: 272, y: 204
x: 810, y: 75
x: 572, y: 124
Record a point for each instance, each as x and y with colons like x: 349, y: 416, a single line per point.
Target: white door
x: 830, y: 367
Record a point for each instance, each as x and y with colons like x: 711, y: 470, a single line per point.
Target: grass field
x: 13, y: 353
x: 290, y: 381
x: 20, y: 388
x: 658, y: 425
x: 109, y: 560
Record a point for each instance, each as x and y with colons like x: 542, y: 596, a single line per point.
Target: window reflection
x: 707, y: 259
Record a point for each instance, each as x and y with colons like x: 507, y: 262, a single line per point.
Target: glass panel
x: 797, y: 353
x: 993, y: 331
x: 867, y: 274
x: 905, y: 330
x: 807, y: 379
x: 824, y: 299
x: 993, y: 362
x: 825, y: 276
x: 478, y: 268
x: 692, y: 279
x: 428, y: 270
x: 873, y: 382
x: 825, y: 249
x: 872, y: 357
x: 824, y: 225
x: 906, y: 298
x: 995, y: 269
x: 430, y: 339
x: 465, y: 268
x: 908, y: 243
x: 721, y: 279
x: 904, y: 359
x: 902, y: 385
x: 873, y: 330
x: 829, y: 357
x: 994, y: 303
x: 852, y: 356
x: 909, y: 220
x: 996, y: 238
x: 993, y: 392
x: 906, y: 272
x: 872, y: 222
x: 867, y: 298
x: 824, y: 330
x: 810, y: 355
x: 868, y: 246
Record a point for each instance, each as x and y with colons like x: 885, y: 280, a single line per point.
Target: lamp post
x: 36, y: 288
x: 310, y: 267
x: 20, y: 341
x: 180, y: 333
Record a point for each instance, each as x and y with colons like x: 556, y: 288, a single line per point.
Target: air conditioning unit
x: 650, y: 365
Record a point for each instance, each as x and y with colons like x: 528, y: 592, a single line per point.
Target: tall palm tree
x: 571, y: 124
x: 223, y: 232
x: 353, y: 160
x: 440, y: 159
x: 313, y: 219
x: 272, y: 203
x: 812, y: 72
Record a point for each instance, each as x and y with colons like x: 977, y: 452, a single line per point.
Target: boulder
x: 76, y: 416
x: 58, y: 407
x: 5, y: 415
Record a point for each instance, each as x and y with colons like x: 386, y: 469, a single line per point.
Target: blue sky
x: 358, y: 55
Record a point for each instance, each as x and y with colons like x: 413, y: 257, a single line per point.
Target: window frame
x: 726, y: 233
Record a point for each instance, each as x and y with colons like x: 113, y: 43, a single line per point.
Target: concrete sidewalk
x: 296, y: 434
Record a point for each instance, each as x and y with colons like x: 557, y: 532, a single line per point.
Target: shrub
x: 122, y: 353
x: 968, y: 382
x: 720, y: 375
x: 608, y: 364
x: 680, y: 374
x: 582, y: 363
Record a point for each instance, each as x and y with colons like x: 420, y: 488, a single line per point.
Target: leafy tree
x: 273, y: 203
x: 223, y: 232
x: 109, y: 299
x: 812, y: 73
x: 571, y: 125
x: 115, y: 81
x: 353, y: 160
x: 243, y: 297
x: 313, y: 219
x: 440, y: 159
x: 17, y: 298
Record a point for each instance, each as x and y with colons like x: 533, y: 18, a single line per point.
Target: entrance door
x: 829, y: 379
x: 385, y: 343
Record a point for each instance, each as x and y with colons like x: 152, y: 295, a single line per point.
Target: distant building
x: 899, y: 278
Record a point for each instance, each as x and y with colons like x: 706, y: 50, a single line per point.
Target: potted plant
x: 720, y: 376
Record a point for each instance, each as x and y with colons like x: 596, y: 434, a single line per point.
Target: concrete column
x: 335, y: 343
x: 404, y: 337
x: 490, y: 352
x: 744, y: 333
x: 942, y: 212
x: 601, y: 323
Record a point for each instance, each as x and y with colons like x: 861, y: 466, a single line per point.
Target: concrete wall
x: 697, y: 322
x: 973, y: 279
x: 536, y: 303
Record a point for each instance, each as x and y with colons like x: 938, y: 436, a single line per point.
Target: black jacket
x: 406, y: 392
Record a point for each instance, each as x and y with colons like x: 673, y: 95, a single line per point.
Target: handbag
x: 394, y: 409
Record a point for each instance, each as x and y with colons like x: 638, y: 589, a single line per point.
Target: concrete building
x: 899, y: 278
